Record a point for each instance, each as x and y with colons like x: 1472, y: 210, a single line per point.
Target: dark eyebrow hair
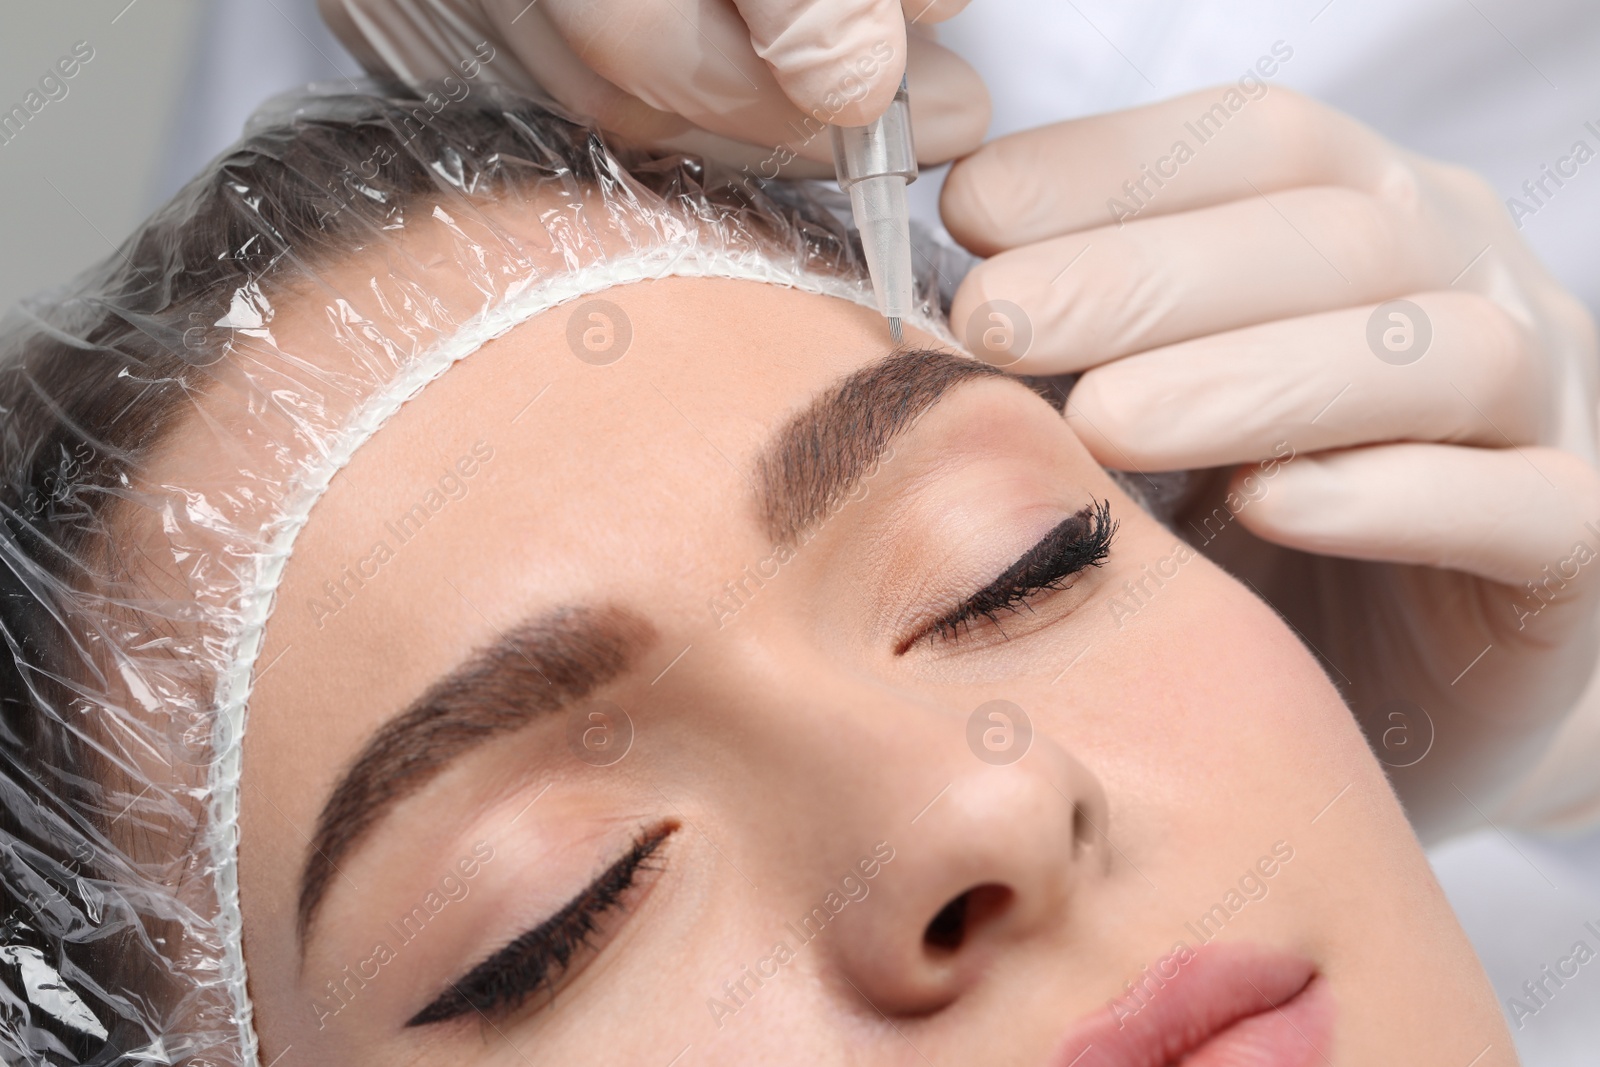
x: 528, y: 672
x: 825, y: 449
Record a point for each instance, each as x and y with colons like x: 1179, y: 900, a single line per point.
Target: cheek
x: 1195, y: 688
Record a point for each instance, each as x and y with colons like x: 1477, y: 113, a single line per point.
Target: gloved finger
x: 813, y: 46
x: 1451, y: 367
x: 1189, y: 152
x: 1094, y: 296
x: 535, y: 45
x: 575, y: 86
x: 708, y: 71
x: 512, y: 38
x: 1504, y: 514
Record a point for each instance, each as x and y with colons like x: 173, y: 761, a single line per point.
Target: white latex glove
x: 1226, y: 321
x: 750, y: 82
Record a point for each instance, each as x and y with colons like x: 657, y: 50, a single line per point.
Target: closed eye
x: 1080, y: 541
x: 543, y: 956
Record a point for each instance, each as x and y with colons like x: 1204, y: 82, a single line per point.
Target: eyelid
x: 1080, y: 541
x: 541, y: 956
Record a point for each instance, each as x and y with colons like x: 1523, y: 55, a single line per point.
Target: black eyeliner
x: 540, y: 957
x: 1080, y: 541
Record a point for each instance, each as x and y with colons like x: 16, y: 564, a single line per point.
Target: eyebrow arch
x: 825, y: 449
x: 528, y: 672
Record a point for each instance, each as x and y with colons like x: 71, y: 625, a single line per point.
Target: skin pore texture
x: 805, y: 733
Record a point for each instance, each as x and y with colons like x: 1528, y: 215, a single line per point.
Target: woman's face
x: 650, y: 712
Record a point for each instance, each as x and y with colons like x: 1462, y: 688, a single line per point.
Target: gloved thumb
x: 705, y: 70
x: 838, y: 60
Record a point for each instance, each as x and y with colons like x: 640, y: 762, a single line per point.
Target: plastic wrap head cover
x: 133, y: 610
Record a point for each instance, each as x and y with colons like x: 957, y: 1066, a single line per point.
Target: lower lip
x: 1228, y: 1006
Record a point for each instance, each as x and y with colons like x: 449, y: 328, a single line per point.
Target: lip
x: 1229, y: 1005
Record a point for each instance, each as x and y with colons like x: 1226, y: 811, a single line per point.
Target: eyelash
x: 538, y: 958
x: 1077, y: 543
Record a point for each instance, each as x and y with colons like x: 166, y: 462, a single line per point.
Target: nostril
x: 945, y: 931
x: 948, y: 931
x: 1082, y: 827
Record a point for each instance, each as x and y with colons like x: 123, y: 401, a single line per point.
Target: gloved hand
x: 1391, y: 479
x: 750, y: 82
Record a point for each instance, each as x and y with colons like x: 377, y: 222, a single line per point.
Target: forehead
x: 305, y: 360
x: 553, y: 463
x: 307, y: 355
x: 526, y: 476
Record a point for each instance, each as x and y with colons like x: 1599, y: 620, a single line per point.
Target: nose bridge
x: 821, y: 735
x: 928, y: 843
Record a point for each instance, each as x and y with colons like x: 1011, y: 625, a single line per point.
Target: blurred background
x: 1505, y: 86
x: 169, y: 86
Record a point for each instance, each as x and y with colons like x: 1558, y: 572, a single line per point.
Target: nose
x: 959, y: 829
x: 990, y: 863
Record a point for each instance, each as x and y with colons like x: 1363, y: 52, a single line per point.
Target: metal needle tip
x: 895, y: 331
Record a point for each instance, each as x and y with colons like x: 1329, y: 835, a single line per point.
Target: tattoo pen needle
x: 874, y: 164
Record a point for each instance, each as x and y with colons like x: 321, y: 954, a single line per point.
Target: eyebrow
x: 528, y: 672
x: 558, y: 658
x: 823, y: 451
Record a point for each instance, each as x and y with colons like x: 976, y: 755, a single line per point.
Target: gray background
x: 86, y: 169
x: 82, y: 172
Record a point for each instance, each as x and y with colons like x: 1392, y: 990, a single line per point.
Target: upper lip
x: 1182, y: 1005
